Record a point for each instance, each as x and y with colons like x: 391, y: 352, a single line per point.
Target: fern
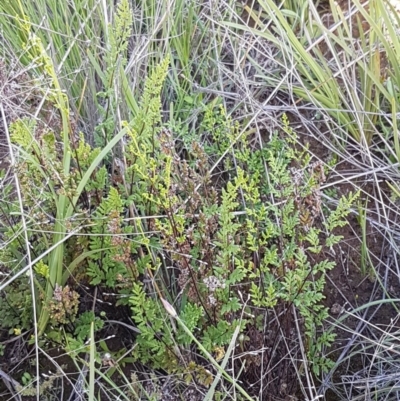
x: 151, y: 344
x: 149, y: 116
x: 104, y: 266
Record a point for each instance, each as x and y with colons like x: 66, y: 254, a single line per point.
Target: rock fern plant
x: 226, y: 251
x: 258, y: 234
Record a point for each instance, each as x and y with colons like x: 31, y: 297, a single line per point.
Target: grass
x: 176, y: 195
